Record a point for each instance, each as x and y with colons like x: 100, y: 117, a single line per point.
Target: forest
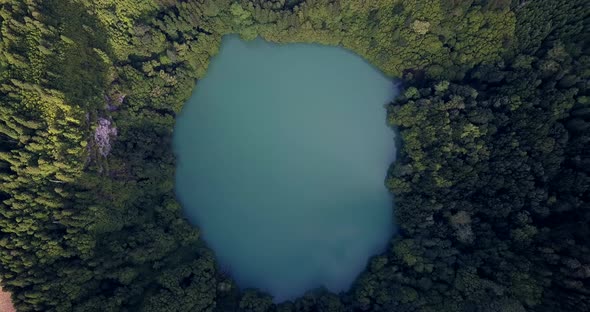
x: 491, y: 185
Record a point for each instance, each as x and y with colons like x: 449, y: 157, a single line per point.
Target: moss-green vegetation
x: 491, y: 187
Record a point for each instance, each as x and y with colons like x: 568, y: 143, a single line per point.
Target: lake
x: 282, y: 153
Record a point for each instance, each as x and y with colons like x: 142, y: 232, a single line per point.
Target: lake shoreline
x: 284, y: 175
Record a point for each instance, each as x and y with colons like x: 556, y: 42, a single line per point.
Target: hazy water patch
x: 282, y: 155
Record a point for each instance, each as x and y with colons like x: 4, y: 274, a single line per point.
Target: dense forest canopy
x: 491, y: 185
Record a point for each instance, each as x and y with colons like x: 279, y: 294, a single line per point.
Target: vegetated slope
x: 491, y: 185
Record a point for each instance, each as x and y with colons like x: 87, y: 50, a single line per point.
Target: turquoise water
x: 282, y: 155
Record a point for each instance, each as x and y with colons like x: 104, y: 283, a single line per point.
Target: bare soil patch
x: 6, y: 302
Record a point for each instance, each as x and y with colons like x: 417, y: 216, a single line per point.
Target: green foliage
x: 253, y: 301
x: 480, y: 166
x: 491, y: 183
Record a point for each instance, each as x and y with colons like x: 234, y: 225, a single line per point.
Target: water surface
x: 282, y: 154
